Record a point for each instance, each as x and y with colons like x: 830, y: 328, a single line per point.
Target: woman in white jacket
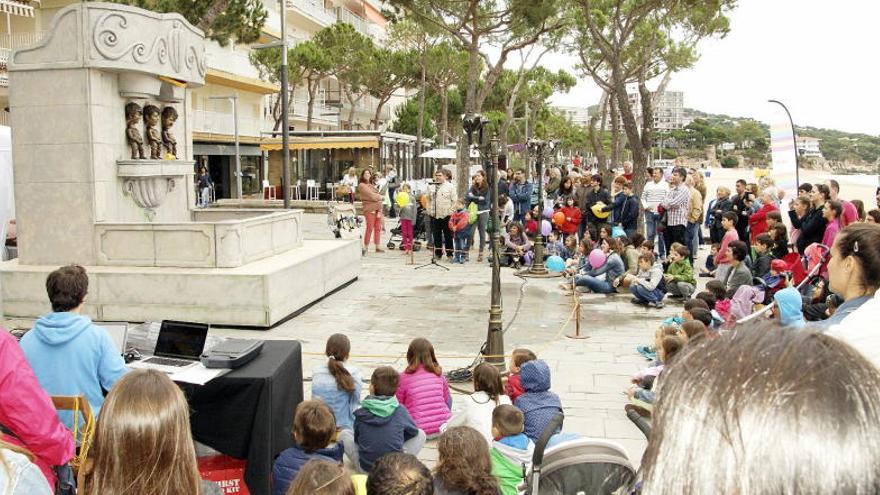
x: 475, y: 410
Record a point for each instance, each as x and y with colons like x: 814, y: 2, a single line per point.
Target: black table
x: 248, y: 413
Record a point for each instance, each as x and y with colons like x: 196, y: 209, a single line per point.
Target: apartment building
x: 669, y: 113
x: 576, y: 115
x: 808, y: 146
x: 234, y: 95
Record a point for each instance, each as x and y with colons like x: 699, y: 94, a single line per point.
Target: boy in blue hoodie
x: 313, y: 428
x: 538, y: 404
x: 70, y: 355
x: 381, y: 425
x: 512, y: 450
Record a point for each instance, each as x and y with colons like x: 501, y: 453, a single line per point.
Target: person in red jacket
x: 459, y: 225
x: 27, y: 416
x: 513, y: 386
x: 758, y: 221
x: 572, y: 217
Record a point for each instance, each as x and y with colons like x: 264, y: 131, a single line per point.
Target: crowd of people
x: 812, y: 367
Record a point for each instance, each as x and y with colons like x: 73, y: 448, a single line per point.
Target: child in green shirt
x: 680, y: 282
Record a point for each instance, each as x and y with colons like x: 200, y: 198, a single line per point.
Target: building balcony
x: 313, y: 10
x: 15, y: 41
x: 212, y: 122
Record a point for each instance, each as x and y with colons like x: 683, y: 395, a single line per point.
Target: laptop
x: 118, y: 332
x: 179, y: 346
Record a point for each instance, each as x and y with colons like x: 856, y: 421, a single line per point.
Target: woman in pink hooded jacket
x: 27, y: 415
x: 423, y: 389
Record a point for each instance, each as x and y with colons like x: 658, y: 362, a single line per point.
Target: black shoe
x: 638, y: 301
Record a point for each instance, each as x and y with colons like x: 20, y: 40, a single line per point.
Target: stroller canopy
x: 585, y: 465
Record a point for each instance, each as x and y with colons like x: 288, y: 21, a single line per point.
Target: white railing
x: 5, y: 54
x: 15, y: 41
x: 223, y: 123
x: 4, y: 117
x: 4, y: 80
x: 228, y: 59
x: 313, y: 9
x: 356, y: 21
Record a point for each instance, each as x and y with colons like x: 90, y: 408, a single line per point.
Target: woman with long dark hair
x: 475, y: 410
x: 337, y: 382
x: 371, y: 203
x: 480, y: 194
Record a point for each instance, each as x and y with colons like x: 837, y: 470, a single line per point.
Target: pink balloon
x: 597, y: 258
x: 546, y: 228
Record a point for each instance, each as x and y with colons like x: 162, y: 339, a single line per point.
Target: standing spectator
x: 350, y: 179
x: 741, y: 209
x: 628, y: 170
x: 676, y: 205
x: 758, y: 221
x: 566, y: 189
x: 629, y: 213
x: 503, y: 183
x: 700, y: 183
x: 28, y: 417
x: 371, y: 201
x: 205, y: 185
x: 521, y: 195
x: 596, y: 194
x: 392, y: 183
x: 833, y: 214
x: 408, y: 215
x: 441, y: 197
x: 807, y: 217
x: 717, y: 207
x: 860, y: 209
x: 580, y: 195
x: 551, y: 191
x: 461, y: 229
x: 69, y: 354
x: 695, y: 217
x: 480, y: 195
x: 653, y: 194
x: 850, y: 212
x: 617, y: 199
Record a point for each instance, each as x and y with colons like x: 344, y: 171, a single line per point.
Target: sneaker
x: 706, y: 275
x: 647, y: 352
x: 676, y: 296
x: 657, y: 304
x: 637, y: 301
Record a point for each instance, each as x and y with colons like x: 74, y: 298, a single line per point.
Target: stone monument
x: 106, y: 88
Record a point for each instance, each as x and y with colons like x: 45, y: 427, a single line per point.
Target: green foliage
x: 730, y: 161
x: 840, y: 146
x: 221, y: 20
x: 407, y: 118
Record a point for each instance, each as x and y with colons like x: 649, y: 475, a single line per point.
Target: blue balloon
x: 555, y: 264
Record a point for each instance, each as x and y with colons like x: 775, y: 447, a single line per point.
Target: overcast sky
x: 817, y: 57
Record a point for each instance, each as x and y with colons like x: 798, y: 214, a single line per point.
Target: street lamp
x: 538, y: 147
x: 234, y: 100
x: 474, y: 124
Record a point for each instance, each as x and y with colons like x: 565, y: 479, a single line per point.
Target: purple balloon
x: 546, y: 228
x: 548, y: 212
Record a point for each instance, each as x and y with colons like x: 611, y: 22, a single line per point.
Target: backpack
x: 472, y: 213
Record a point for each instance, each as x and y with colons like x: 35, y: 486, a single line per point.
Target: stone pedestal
x: 81, y: 197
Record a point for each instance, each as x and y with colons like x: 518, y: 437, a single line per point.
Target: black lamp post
x: 475, y: 124
x: 538, y: 148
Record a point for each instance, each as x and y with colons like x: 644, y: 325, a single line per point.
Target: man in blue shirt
x: 70, y: 355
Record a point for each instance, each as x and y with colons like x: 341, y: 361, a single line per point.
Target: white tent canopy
x: 447, y: 154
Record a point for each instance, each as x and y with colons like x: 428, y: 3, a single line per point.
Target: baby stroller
x: 578, y: 465
x: 419, y: 232
x: 343, y: 221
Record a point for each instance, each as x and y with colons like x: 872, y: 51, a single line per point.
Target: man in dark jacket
x: 596, y: 194
x: 628, y: 218
x: 381, y: 425
x: 521, y: 195
x: 742, y: 210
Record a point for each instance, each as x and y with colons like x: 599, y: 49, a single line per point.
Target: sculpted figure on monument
x: 169, y: 142
x: 154, y: 137
x: 132, y: 133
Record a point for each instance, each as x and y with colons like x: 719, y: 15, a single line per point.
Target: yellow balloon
x: 402, y: 199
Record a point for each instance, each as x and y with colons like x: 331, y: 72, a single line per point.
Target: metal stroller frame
x: 419, y: 232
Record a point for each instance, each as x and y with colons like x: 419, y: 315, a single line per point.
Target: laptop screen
x: 118, y: 333
x: 181, y: 339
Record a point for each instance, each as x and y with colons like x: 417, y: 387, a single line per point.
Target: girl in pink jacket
x: 423, y: 389
x: 27, y: 415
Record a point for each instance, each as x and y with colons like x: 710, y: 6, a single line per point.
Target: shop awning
x: 322, y: 143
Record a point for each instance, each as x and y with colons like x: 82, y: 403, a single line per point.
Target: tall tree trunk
x: 276, y: 109
x: 212, y: 13
x: 379, y: 106
x: 594, y: 136
x: 470, y: 108
x: 313, y: 88
x: 647, y: 116
x: 444, y: 116
x: 615, y: 141
x: 631, y: 127
x: 420, y: 127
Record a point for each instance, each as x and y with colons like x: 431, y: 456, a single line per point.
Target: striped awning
x: 321, y: 143
x: 16, y: 8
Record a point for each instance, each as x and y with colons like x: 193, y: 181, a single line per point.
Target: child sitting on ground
x: 512, y: 450
x: 475, y: 410
x: 679, y: 277
x: 538, y: 404
x: 666, y: 351
x: 702, y: 315
x: 689, y: 306
x: 709, y: 269
x: 381, y: 425
x: 423, y: 388
x: 554, y: 246
x: 313, y: 430
x: 337, y: 382
x: 571, y: 244
x: 779, y: 234
x: 722, y: 302
x: 460, y: 227
x: 693, y: 329
x: 647, y: 374
x: 763, y: 255
x: 513, y: 385
x: 647, y: 287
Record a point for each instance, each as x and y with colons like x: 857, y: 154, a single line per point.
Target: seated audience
x: 18, y: 476
x: 142, y: 443
x: 423, y: 389
x: 513, y: 385
x: 788, y: 307
x: 647, y: 286
x: 313, y: 429
x: 669, y: 347
x: 381, y: 425
x: 399, y: 474
x: 701, y: 315
x: 693, y: 329
x: 512, y: 450
x: 517, y: 247
x: 739, y: 273
x: 322, y: 477
x: 27, y: 416
x: 463, y: 465
x: 604, y: 279
x: 751, y: 438
x: 854, y: 267
x: 679, y: 276
x: 538, y: 404
x: 475, y: 410
x: 70, y: 355
x: 337, y: 382
x: 763, y: 248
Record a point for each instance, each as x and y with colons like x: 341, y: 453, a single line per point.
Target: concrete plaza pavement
x: 392, y: 303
